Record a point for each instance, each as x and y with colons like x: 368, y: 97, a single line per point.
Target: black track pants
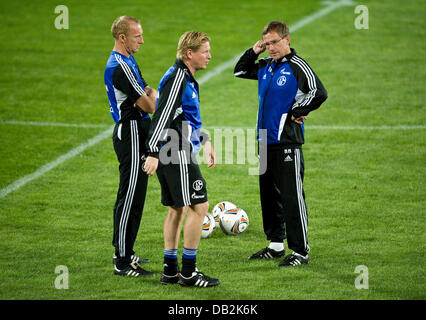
x: 129, y: 145
x: 283, y: 199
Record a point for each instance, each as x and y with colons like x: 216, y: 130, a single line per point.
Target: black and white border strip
x: 129, y: 74
x: 166, y: 112
x: 309, y: 76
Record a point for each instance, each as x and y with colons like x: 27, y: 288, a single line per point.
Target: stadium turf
x: 364, y: 153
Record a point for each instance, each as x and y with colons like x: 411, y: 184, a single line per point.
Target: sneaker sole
x: 199, y: 286
x: 250, y: 258
x: 292, y: 265
x: 172, y: 280
x: 134, y: 274
x: 142, y: 260
x: 267, y: 258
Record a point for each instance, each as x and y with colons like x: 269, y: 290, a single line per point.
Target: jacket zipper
x: 266, y: 92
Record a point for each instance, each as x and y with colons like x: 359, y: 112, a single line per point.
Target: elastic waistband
x: 137, y: 120
x: 277, y: 147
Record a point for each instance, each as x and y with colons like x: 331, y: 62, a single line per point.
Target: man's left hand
x: 299, y: 120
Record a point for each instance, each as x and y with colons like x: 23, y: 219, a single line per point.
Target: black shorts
x: 181, y: 182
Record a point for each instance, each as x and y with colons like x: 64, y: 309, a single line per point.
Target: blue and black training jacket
x: 286, y: 87
x: 124, y: 85
x: 177, y: 108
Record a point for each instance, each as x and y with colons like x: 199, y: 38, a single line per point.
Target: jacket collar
x: 288, y: 56
x: 179, y: 63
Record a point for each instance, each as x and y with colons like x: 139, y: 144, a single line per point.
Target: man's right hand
x: 150, y: 92
x: 151, y: 165
x: 259, y: 47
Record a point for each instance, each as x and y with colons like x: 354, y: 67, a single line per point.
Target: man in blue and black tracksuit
x: 130, y: 101
x: 173, y: 141
x: 288, y: 91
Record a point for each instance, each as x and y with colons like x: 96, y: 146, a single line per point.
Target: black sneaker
x: 133, y: 258
x: 267, y: 253
x: 133, y: 270
x: 294, y: 259
x: 165, y: 279
x: 198, y: 279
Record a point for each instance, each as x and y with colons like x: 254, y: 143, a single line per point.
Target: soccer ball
x: 234, y: 221
x: 208, y: 226
x: 219, y: 209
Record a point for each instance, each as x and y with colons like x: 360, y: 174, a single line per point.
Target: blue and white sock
x: 189, y: 253
x: 170, y: 253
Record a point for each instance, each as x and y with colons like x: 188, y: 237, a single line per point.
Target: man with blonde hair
x: 173, y: 139
x: 130, y: 102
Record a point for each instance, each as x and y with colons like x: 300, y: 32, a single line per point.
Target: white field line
x: 330, y: 6
x: 313, y: 127
x: 53, y: 124
x: 308, y: 127
x: 49, y: 166
x: 402, y: 127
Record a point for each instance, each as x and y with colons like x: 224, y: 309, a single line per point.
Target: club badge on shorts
x: 197, y: 185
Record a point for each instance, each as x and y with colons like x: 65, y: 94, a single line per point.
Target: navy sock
x: 170, y: 262
x: 189, y: 261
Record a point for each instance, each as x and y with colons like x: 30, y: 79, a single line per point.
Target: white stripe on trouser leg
x: 184, y: 183
x: 302, y: 207
x: 186, y: 172
x: 128, y: 199
x: 129, y: 195
x: 134, y: 171
x: 181, y: 176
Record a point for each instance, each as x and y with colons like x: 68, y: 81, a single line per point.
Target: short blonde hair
x: 121, y: 25
x: 190, y: 40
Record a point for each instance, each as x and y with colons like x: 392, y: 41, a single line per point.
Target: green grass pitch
x: 364, y: 153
